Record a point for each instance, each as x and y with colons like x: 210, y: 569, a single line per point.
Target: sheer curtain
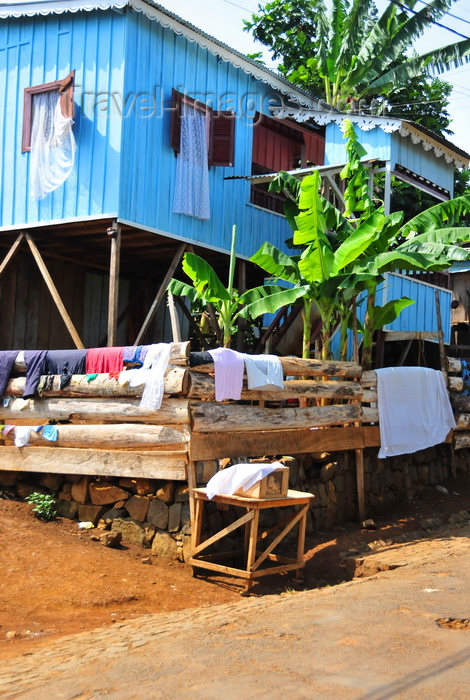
x: 52, y: 145
x: 192, y: 170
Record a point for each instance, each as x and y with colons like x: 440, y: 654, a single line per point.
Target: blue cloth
x: 66, y: 363
x: 35, y: 364
x: 7, y: 359
x: 466, y: 377
x: 50, y: 432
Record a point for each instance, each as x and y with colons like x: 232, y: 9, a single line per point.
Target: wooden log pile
x: 102, y: 428
x: 319, y: 409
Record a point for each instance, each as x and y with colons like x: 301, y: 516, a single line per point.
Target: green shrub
x: 44, y: 505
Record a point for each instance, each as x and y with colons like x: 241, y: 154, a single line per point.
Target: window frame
x: 64, y: 86
x: 221, y: 128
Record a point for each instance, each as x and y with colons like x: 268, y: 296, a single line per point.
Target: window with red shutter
x: 221, y: 129
x: 281, y: 145
x: 65, y: 87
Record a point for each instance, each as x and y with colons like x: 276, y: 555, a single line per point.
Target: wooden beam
x: 281, y: 442
x: 63, y: 460
x: 176, y: 382
x: 442, y: 352
x: 161, y: 292
x: 175, y: 322
x: 202, y: 386
x: 299, y: 367
x: 118, y: 436
x: 11, y: 253
x: 172, y: 411
x: 54, y: 293
x: 227, y: 417
x: 114, y: 263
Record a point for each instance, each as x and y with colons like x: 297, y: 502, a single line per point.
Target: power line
x: 433, y: 21
x: 447, y: 13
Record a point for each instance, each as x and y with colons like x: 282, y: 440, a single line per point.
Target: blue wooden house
x: 96, y: 98
x: 126, y: 74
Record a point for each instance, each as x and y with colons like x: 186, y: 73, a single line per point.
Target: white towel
x: 22, y: 435
x: 240, y: 476
x: 414, y: 409
x: 228, y: 369
x: 264, y: 372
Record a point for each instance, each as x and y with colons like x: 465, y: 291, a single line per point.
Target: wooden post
x: 175, y: 322
x: 442, y: 352
x: 388, y: 188
x: 355, y: 357
x: 114, y: 233
x: 161, y: 292
x: 53, y: 290
x: 11, y: 252
x: 360, y: 483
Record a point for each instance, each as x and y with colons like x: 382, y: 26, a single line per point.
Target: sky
x: 223, y: 19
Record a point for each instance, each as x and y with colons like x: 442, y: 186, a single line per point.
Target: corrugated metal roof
x: 299, y: 172
x: 168, y: 19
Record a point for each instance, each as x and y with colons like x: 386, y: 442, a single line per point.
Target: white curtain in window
x: 52, y: 145
x: 192, y: 170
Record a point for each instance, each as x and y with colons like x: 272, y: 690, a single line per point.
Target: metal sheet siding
x: 376, y: 142
x: 420, y: 316
x: 157, y: 61
x: 39, y: 50
x: 421, y: 162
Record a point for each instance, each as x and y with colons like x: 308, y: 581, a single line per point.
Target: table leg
x: 301, y: 542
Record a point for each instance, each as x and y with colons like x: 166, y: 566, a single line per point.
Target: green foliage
x: 344, y: 51
x: 333, y: 268
x: 226, y: 302
x: 44, y: 505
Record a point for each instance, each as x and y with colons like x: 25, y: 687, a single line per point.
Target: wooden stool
x: 253, y: 558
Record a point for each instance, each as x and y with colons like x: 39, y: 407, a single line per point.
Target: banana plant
x: 229, y: 305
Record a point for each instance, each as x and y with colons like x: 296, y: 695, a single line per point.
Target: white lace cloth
x: 192, y: 170
x: 52, y: 145
x: 240, y: 476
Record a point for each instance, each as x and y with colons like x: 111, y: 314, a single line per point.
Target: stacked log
x: 106, y: 431
x: 265, y: 423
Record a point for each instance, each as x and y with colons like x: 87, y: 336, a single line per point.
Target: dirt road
x: 372, y: 638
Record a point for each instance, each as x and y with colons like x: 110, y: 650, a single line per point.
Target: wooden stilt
x: 11, y: 252
x: 54, y: 293
x: 442, y: 352
x: 360, y: 483
x: 175, y: 322
x: 115, y: 234
x: 161, y: 292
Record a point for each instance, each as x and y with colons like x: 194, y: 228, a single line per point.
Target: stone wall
x: 155, y: 514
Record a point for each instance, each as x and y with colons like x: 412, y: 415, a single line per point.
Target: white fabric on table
x: 264, y: 372
x: 414, y: 409
x: 192, y: 170
x: 52, y: 145
x: 240, y: 476
x: 228, y: 369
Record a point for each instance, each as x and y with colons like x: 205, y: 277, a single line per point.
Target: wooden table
x: 253, y: 557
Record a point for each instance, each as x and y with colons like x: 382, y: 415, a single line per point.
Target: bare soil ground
x: 55, y: 580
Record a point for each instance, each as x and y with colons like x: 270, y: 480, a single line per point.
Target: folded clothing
x: 104, y: 360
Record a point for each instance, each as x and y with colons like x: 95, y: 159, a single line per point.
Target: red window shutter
x: 175, y: 124
x: 222, y: 132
